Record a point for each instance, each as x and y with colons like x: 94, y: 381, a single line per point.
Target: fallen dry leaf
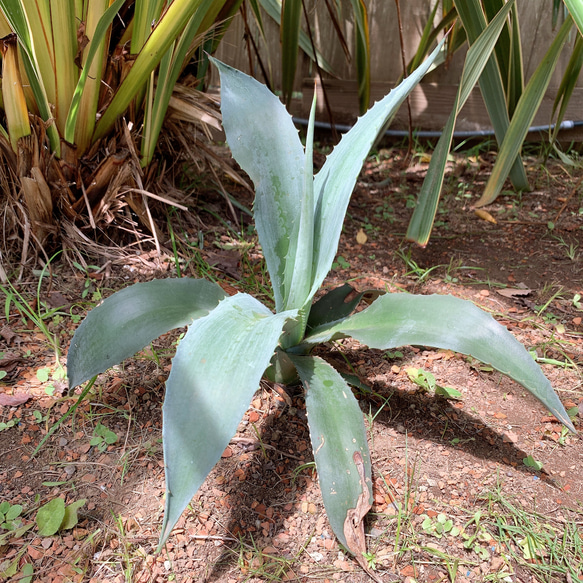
x: 485, y: 216
x: 13, y: 400
x: 8, y: 334
x: 514, y: 292
x: 361, y: 237
x: 225, y: 261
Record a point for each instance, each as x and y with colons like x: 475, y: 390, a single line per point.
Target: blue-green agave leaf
x: 447, y: 322
x: 334, y: 183
x: 339, y: 442
x: 216, y: 370
x: 334, y: 305
x: 131, y: 318
x: 299, y: 281
x: 265, y: 143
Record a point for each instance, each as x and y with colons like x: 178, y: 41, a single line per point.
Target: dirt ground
x: 459, y: 485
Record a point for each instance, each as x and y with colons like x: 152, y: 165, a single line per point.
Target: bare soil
x: 259, y: 515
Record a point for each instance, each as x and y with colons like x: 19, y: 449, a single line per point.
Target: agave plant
x: 234, y: 341
x: 511, y: 106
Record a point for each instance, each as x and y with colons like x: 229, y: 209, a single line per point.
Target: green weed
x: 103, y: 437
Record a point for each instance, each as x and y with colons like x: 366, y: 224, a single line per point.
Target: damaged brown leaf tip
x: 354, y: 522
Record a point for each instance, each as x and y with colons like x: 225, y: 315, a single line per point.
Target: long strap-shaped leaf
x: 491, y: 86
x: 291, y: 13
x: 216, y: 370
x: 130, y: 319
x: 575, y: 7
x: 478, y: 56
x: 335, y: 182
x: 273, y: 9
x: 168, y: 28
x: 100, y: 33
x: 339, y: 441
x: 395, y: 320
x: 525, y: 111
x: 567, y: 85
x: 508, y: 53
x: 16, y: 16
x: 170, y: 69
x: 362, y: 53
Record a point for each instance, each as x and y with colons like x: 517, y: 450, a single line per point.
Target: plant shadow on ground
x: 259, y: 516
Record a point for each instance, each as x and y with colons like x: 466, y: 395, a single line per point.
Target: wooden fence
x: 432, y: 101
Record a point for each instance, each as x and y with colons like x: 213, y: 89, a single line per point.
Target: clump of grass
x: 514, y: 541
x: 550, y: 547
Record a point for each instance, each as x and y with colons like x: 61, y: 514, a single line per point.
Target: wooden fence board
x: 431, y: 102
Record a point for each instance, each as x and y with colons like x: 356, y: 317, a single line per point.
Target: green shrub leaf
x: 130, y: 319
x: 216, y: 370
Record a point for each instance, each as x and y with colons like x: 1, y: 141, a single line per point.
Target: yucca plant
x: 511, y: 105
x: 288, y: 15
x: 70, y: 71
x: 234, y: 341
